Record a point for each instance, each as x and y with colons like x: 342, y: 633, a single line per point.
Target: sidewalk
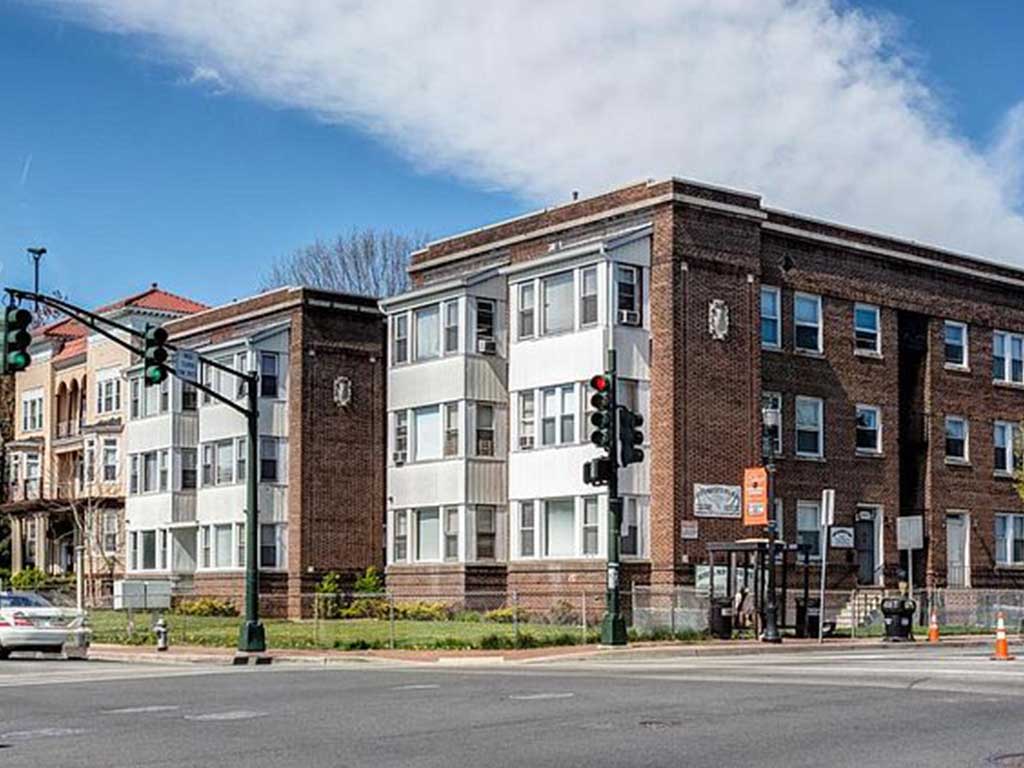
x: 206, y: 655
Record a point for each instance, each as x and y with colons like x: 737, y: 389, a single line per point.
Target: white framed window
x: 400, y: 338
x: 486, y: 532
x: 451, y: 533
x: 240, y: 548
x: 32, y: 410
x: 527, y: 420
x: 590, y: 526
x: 225, y: 469
x: 559, y: 527
x: 869, y: 429
x: 150, y: 477
x: 401, y: 438
x: 223, y: 545
x: 807, y: 322
x: 133, y: 473
x: 428, y: 534
x: 627, y: 294
x: 484, y: 429
x: 451, y: 326
x: 867, y: 333
x: 147, y: 545
x: 485, y: 324
x: 634, y: 527
x: 558, y: 415
x: 527, y: 305
x: 772, y: 401
x: 427, y: 433
x: 188, y: 468
x: 771, y: 317
x: 400, y: 548
x: 135, y: 398
x: 271, y: 455
x: 269, y: 374
x: 451, y: 429
x: 527, y: 529
x: 955, y: 344
x: 110, y: 460
x: 1009, y: 539
x: 557, y: 297
x: 957, y: 445
x: 89, y: 460
x: 220, y: 459
x: 1008, y: 357
x: 110, y: 531
x: 588, y: 296
x: 810, y: 434
x: 188, y: 396
x: 241, y: 458
x: 273, y: 546
x: 161, y: 548
x: 1006, y: 445
x: 427, y: 332
x: 108, y: 391
x: 808, y: 526
x: 205, y: 550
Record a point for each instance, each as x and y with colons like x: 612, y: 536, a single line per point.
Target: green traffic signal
x: 155, y: 355
x: 16, y: 340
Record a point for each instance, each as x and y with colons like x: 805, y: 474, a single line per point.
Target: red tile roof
x: 71, y: 349
x: 152, y: 298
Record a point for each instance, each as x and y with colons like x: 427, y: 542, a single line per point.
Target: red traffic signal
x: 600, y: 383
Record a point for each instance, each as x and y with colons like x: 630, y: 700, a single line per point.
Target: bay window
x: 486, y: 532
x: 427, y: 534
x: 526, y: 420
x: 451, y: 326
x: 559, y: 528
x: 556, y: 294
x: 427, y: 332
x: 400, y: 339
x: 526, y: 310
x: 590, y: 525
x: 588, y: 296
x: 427, y: 433
x: 527, y: 529
x: 627, y: 292
x: 484, y: 429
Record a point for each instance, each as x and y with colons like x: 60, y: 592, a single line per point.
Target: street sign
x: 717, y: 501
x: 910, y: 532
x: 755, y: 496
x: 689, y: 530
x: 828, y: 507
x: 186, y: 365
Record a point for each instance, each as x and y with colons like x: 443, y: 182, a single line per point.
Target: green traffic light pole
x: 251, y: 637
x: 613, y: 625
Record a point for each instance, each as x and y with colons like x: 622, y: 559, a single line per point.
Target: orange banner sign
x: 755, y: 496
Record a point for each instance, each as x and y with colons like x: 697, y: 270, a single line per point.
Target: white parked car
x: 28, y: 622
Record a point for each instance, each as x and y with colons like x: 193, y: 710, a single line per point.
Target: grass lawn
x: 112, y: 627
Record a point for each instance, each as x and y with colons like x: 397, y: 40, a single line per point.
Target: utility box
x: 142, y: 595
x: 898, y: 614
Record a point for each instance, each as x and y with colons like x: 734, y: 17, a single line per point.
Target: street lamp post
x: 770, y: 419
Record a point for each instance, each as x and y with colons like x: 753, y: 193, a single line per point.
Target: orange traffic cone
x: 933, y: 628
x: 1002, y: 647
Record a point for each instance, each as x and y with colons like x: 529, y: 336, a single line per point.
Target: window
x: 222, y: 546
x: 808, y: 526
x: 161, y: 548
x: 224, y: 471
x: 1009, y: 539
x: 451, y: 533
x: 956, y: 439
x: 149, y: 472
x: 869, y: 429
x: 588, y: 296
x: 400, y: 339
x: 866, y: 334
x: 150, y: 400
x: 401, y: 545
x: 188, y: 397
x: 486, y: 532
x: 164, y: 468
x: 135, y: 407
x: 807, y: 322
x: 556, y: 293
x: 451, y: 429
x: 558, y: 419
x: 590, y: 525
x: 32, y: 411
x: 271, y: 546
x: 1008, y: 357
x: 109, y: 460
x: 165, y: 395
x: 631, y: 528
x: 809, y: 433
x: 241, y: 456
x: 526, y: 309
x: 240, y: 544
x: 627, y: 291
x: 770, y: 314
x: 268, y: 374
x: 484, y: 430
x: 270, y: 460
x: 451, y: 327
x: 526, y: 420
x: 208, y: 460
x: 527, y: 529
x: 427, y: 319
x: 559, y: 523
x: 148, y: 550
x: 108, y: 391
x: 204, y: 546
x: 772, y: 401
x: 133, y: 480
x: 1006, y: 443
x: 89, y: 461
x: 188, y: 468
x: 955, y: 335
x: 484, y: 322
x: 110, y: 525
x: 401, y: 436
x: 427, y: 432
x: 427, y: 535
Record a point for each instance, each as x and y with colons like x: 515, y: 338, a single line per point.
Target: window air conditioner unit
x: 526, y: 442
x: 398, y: 457
x: 487, y: 346
x: 629, y: 317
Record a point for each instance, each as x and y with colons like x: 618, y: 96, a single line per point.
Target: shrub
x: 467, y: 616
x: 563, y: 612
x: 206, y: 606
x: 328, y: 596
x: 5, y: 577
x: 505, y: 615
x: 370, y: 582
x: 421, y: 611
x: 28, y: 579
x: 365, y: 608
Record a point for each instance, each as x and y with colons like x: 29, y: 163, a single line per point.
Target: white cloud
x: 207, y: 77
x: 798, y: 100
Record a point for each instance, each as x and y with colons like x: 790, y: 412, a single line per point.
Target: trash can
x: 720, y: 620
x: 808, y: 615
x: 898, y: 616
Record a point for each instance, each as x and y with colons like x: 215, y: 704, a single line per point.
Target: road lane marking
x: 141, y: 710
x: 541, y: 696
x: 40, y: 733
x: 238, y: 714
x: 422, y: 687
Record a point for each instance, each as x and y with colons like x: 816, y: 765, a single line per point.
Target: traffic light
x: 630, y: 437
x: 597, y: 471
x: 155, y: 355
x: 16, y: 340
x: 601, y: 419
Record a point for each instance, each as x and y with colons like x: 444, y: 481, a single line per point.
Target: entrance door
x: 864, y: 543
x: 956, y: 550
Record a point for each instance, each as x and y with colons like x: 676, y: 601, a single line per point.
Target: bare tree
x: 367, y: 261
x: 47, y: 314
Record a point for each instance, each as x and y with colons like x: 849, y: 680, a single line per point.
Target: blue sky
x: 130, y: 168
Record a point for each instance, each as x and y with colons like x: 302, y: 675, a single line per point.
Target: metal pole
x: 79, y: 577
x: 515, y: 617
x: 821, y: 602
x: 613, y: 626
x: 252, y: 638
x: 771, y: 608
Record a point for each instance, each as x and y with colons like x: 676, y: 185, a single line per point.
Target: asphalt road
x: 908, y: 707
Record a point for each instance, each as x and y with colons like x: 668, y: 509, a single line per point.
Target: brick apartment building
x: 321, y: 454
x: 897, y: 371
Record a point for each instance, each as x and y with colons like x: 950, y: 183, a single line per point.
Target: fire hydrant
x: 162, y: 632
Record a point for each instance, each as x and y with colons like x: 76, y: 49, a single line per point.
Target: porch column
x: 17, y: 556
x: 42, y: 544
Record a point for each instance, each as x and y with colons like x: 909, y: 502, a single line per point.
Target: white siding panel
x: 486, y: 482
x: 549, y: 473
x: 427, y: 383
x: 426, y: 485
x: 557, y: 359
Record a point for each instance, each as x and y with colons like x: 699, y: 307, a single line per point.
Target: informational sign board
x: 717, y: 501
x: 689, y: 530
x: 828, y: 507
x: 841, y: 538
x: 910, y: 532
x: 186, y: 365
x: 141, y: 595
x: 755, y: 496
x: 741, y: 577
